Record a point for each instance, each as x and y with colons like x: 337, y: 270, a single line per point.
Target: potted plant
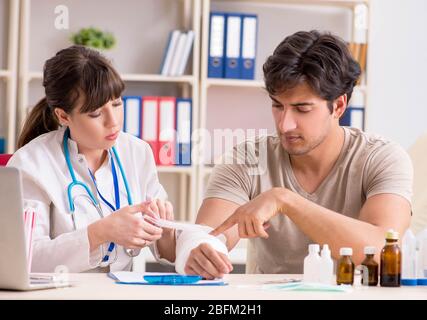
x: 94, y: 37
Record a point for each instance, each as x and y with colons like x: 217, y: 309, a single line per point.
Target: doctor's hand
x: 252, y: 218
x: 207, y: 262
x: 158, y: 208
x: 125, y: 227
x: 166, y: 244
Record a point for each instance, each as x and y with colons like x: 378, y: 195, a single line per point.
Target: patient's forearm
x: 166, y: 246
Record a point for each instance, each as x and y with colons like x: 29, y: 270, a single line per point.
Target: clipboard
x: 162, y: 278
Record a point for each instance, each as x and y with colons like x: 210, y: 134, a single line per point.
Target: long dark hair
x: 320, y: 59
x: 73, y: 73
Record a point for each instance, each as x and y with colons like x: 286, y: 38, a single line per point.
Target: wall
x: 397, y: 70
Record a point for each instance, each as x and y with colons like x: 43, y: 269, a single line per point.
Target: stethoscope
x: 106, y: 258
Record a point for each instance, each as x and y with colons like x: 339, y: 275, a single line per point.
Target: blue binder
x: 183, y: 129
x: 354, y: 117
x: 132, y: 115
x: 233, y: 44
x: 249, y: 45
x: 216, y: 45
x: 2, y: 145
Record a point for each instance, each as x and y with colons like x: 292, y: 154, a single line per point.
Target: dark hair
x: 72, y: 73
x: 322, y: 60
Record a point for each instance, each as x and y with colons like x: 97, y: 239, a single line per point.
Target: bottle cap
x: 314, y: 247
x: 346, y: 251
x: 392, y: 235
x: 370, y: 250
x: 326, y: 252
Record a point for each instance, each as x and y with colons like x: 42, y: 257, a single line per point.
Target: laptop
x: 14, y: 273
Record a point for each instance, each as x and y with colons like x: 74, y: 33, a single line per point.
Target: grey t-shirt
x: 367, y: 165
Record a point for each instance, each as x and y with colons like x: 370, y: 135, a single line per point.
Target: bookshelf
x: 9, y: 26
x: 137, y: 57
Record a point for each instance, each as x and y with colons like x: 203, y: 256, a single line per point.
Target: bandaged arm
x: 190, y: 239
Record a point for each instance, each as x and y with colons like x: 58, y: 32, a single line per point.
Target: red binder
x: 150, y: 124
x: 4, y: 159
x: 167, y: 131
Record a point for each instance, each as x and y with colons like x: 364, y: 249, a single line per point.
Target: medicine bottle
x: 371, y: 266
x: 345, y: 267
x: 390, y: 260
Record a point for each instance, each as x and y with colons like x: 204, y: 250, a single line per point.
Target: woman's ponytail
x: 40, y: 120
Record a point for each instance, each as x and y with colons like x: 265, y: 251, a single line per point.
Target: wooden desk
x: 241, y: 287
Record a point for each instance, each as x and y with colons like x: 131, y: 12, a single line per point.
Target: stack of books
x: 177, y: 52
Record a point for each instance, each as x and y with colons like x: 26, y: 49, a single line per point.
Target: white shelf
x: 211, y: 82
x: 207, y: 170
x: 4, y: 73
x: 360, y: 88
x: 35, y: 76
x: 249, y: 83
x: 158, y: 78
x: 340, y: 3
x: 136, y: 77
x: 234, y: 83
x: 175, y: 169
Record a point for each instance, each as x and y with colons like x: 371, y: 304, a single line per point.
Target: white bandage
x: 190, y: 239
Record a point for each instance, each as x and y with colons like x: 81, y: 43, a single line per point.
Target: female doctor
x: 89, y: 182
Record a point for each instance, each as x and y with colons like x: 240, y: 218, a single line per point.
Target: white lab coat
x: 45, y: 180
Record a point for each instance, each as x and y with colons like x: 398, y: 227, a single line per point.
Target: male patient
x: 312, y: 182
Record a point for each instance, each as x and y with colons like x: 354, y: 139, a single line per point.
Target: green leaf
x: 94, y: 37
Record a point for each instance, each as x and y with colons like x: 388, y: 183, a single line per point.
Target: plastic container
x: 422, y: 258
x: 326, y: 266
x: 409, y: 259
x: 172, y: 279
x: 312, y: 264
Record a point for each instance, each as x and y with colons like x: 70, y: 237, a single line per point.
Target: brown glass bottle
x: 345, y: 267
x: 371, y: 265
x: 391, y: 258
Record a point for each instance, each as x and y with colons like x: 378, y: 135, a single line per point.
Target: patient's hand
x: 207, y: 262
x: 253, y: 217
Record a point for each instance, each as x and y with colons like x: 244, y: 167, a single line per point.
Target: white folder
x: 186, y: 53
x: 173, y: 40
x: 150, y: 123
x: 178, y: 54
x: 133, y: 115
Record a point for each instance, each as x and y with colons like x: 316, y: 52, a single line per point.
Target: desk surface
x: 241, y: 287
